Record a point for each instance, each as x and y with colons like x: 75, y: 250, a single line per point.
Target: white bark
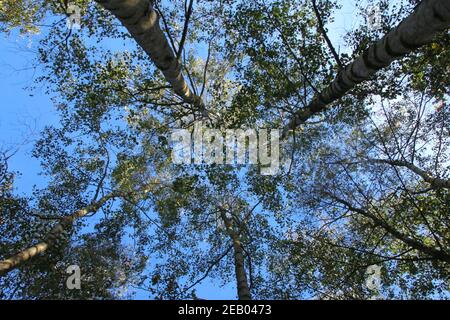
x: 243, y: 289
x: 429, y: 19
x: 66, y: 222
x: 142, y: 22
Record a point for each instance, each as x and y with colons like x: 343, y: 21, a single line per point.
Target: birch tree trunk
x: 239, y: 265
x: 436, y: 253
x: 241, y: 275
x: 142, y: 22
x: 52, y: 238
x: 427, y: 177
x: 429, y: 18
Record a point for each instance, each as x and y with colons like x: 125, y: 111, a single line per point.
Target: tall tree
x: 142, y: 21
x: 355, y: 188
x: 429, y: 18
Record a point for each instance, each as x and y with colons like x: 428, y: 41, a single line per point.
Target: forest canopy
x: 361, y: 132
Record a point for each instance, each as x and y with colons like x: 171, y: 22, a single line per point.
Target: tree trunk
x: 52, y: 238
x: 436, y: 183
x: 429, y: 18
x: 142, y: 21
x: 239, y: 265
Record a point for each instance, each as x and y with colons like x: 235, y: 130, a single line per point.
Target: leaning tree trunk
x: 142, y: 21
x: 241, y: 275
x: 52, y: 238
x: 243, y: 289
x: 429, y: 18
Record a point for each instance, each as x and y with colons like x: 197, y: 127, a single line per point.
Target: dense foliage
x: 364, y: 183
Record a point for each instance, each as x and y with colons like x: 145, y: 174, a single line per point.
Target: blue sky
x: 25, y: 113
